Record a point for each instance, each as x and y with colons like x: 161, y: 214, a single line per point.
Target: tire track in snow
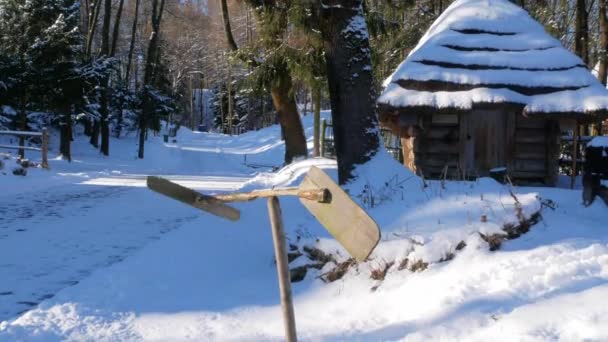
x: 54, y: 238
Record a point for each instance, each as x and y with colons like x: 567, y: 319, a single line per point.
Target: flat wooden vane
x: 341, y: 216
x: 195, y: 199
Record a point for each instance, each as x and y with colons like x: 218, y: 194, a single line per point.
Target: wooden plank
x: 436, y: 146
x: 528, y: 122
x: 27, y: 148
x: 574, y: 155
x: 21, y: 133
x: 192, y: 198
x: 444, y: 119
x: 510, y: 146
x: 530, y: 151
x: 529, y: 174
x: 534, y: 155
x: 342, y: 217
x: 444, y: 133
x: 440, y: 160
x: 530, y: 165
x: 528, y: 138
x: 552, y: 145
x: 465, y: 157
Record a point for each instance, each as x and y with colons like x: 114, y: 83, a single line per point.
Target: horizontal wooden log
x: 529, y: 137
x: 443, y: 133
x: 528, y: 174
x: 532, y: 165
x: 26, y: 148
x: 317, y: 195
x: 451, y: 161
x: 436, y: 172
x: 444, y: 119
x: 533, y: 155
x: 21, y: 133
x: 527, y: 122
x: 436, y: 146
x: 530, y: 151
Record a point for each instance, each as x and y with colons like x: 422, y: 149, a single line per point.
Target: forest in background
x: 115, y: 67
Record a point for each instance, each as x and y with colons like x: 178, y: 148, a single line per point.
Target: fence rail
x: 44, y: 149
x: 392, y: 142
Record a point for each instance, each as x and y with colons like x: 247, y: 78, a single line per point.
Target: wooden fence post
x: 322, y: 142
x: 280, y: 252
x: 45, y: 148
x: 574, y: 155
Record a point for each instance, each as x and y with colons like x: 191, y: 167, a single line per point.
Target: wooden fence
x: 392, y: 142
x: 44, y: 149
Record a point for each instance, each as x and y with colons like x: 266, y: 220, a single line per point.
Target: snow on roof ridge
x: 497, y: 43
x: 481, y: 15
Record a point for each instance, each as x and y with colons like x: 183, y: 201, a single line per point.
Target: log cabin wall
x: 438, y: 146
x: 470, y: 144
x: 536, y: 151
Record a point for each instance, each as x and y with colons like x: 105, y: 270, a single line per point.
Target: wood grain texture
x: 282, y: 262
x: 342, y: 217
x: 193, y: 198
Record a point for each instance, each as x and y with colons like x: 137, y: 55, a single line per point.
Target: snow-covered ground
x: 95, y: 256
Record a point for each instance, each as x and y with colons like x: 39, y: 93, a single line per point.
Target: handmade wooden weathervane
x: 335, y: 210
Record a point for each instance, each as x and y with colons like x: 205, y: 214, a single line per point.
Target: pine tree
x: 55, y: 56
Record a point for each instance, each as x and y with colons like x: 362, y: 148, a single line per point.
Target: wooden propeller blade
x: 192, y: 198
x: 356, y: 231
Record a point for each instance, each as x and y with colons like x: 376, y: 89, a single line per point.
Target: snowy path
x: 53, y: 238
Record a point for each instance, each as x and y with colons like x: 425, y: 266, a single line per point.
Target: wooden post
x: 322, y: 142
x: 45, y: 148
x: 280, y: 252
x: 574, y: 155
x: 21, y: 151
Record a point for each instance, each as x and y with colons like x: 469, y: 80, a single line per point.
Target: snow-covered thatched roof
x: 492, y: 51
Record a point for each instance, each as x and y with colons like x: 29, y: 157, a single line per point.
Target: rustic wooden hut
x: 487, y: 87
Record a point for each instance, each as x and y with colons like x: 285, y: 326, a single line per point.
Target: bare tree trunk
x: 602, y: 73
x: 230, y: 100
x: 115, y: 35
x: 581, y: 42
x: 316, y: 94
x: 65, y: 135
x: 581, y: 34
x: 146, y: 110
x: 116, y: 31
x: 227, y: 28
x: 93, y: 17
x: 603, y: 66
x: 351, y: 90
x: 22, y: 122
x: 105, y: 52
x: 94, y: 140
x: 132, y: 44
x: 283, y: 99
x: 289, y: 119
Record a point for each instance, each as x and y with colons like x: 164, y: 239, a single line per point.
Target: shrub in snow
x: 25, y: 163
x: 19, y: 171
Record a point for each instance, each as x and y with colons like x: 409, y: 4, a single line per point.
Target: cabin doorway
x: 485, y: 137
